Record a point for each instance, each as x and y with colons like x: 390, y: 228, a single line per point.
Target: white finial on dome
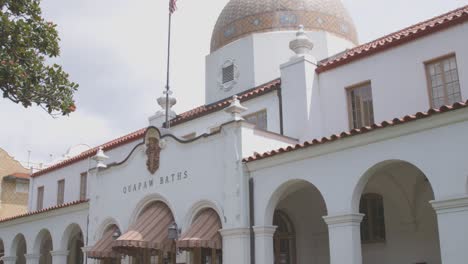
x: 301, y: 45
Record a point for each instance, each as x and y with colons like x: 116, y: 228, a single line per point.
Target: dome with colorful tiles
x: 240, y: 18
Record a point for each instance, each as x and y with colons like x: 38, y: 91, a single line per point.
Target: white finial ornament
x: 100, y: 158
x: 236, y: 109
x: 301, y: 45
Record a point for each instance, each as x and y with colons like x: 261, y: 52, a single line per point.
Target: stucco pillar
x: 264, y: 244
x: 236, y: 245
x: 9, y: 260
x: 59, y: 257
x: 32, y: 258
x: 344, y: 233
x: 452, y: 218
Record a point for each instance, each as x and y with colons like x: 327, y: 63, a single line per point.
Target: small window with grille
x: 373, y: 223
x: 443, y: 81
x: 228, y: 73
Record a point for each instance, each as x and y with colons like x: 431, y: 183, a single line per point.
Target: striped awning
x: 148, y: 232
x: 203, y: 233
x: 103, y: 247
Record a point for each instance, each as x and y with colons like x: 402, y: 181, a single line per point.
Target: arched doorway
x: 75, y: 244
x: 301, y: 236
x: 202, y: 239
x: 19, y: 247
x: 43, y: 246
x: 399, y: 225
x: 2, y: 251
x: 147, y: 240
x: 284, y: 245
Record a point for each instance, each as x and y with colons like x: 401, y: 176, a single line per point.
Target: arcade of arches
x: 398, y: 226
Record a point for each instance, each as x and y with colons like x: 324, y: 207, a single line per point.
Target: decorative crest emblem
x: 153, y: 151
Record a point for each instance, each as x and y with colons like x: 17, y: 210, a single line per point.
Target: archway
x: 43, y: 245
x: 399, y: 225
x: 2, y: 251
x: 301, y: 236
x: 19, y: 247
x: 73, y: 238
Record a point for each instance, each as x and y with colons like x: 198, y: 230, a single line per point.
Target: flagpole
x: 168, y: 91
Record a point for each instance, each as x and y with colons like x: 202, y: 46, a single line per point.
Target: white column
x: 264, y: 244
x: 59, y: 256
x: 344, y: 233
x: 452, y: 218
x: 236, y: 245
x: 9, y: 260
x: 32, y: 258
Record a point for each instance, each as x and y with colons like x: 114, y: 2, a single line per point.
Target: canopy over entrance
x: 149, y: 232
x: 204, y: 232
x: 103, y: 248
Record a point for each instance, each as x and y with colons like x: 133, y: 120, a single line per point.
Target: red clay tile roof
x: 403, y: 36
x: 354, y: 132
x: 56, y: 207
x: 20, y: 175
x: 182, y: 118
x: 90, y: 153
x: 214, y: 107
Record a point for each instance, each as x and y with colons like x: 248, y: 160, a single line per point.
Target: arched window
x: 284, y: 239
x: 373, y: 223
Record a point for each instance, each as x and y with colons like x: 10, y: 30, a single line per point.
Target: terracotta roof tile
x: 90, y: 153
x: 354, y: 132
x: 217, y: 106
x: 56, y: 207
x: 403, y: 36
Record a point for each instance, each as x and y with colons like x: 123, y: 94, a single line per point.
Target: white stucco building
x: 310, y: 148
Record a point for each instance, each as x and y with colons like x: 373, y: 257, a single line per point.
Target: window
x: 60, y: 191
x: 83, y: 186
x: 444, y: 85
x: 361, y: 109
x: 22, y: 187
x: 228, y: 73
x: 259, y: 119
x: 373, y: 223
x: 284, y: 245
x: 40, y: 198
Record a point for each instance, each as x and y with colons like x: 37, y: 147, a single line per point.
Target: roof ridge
x: 354, y: 132
x: 399, y: 37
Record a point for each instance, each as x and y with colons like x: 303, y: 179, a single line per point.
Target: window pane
x: 362, y: 109
x: 444, y: 83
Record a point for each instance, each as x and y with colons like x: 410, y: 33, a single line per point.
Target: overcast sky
x: 116, y: 51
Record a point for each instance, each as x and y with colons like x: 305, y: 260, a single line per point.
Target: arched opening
x: 43, y: 246
x: 202, y: 239
x: 301, y: 235
x: 2, y: 251
x: 147, y: 240
x: 399, y: 225
x: 75, y: 243
x: 19, y: 247
x: 102, y: 249
x: 284, y: 239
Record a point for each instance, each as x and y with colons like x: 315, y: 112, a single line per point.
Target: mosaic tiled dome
x: 242, y: 17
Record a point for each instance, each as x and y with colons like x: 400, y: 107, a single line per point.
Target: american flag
x: 172, y: 6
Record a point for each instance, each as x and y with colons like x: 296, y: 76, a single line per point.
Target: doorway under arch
x: 399, y: 225
x: 301, y: 236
